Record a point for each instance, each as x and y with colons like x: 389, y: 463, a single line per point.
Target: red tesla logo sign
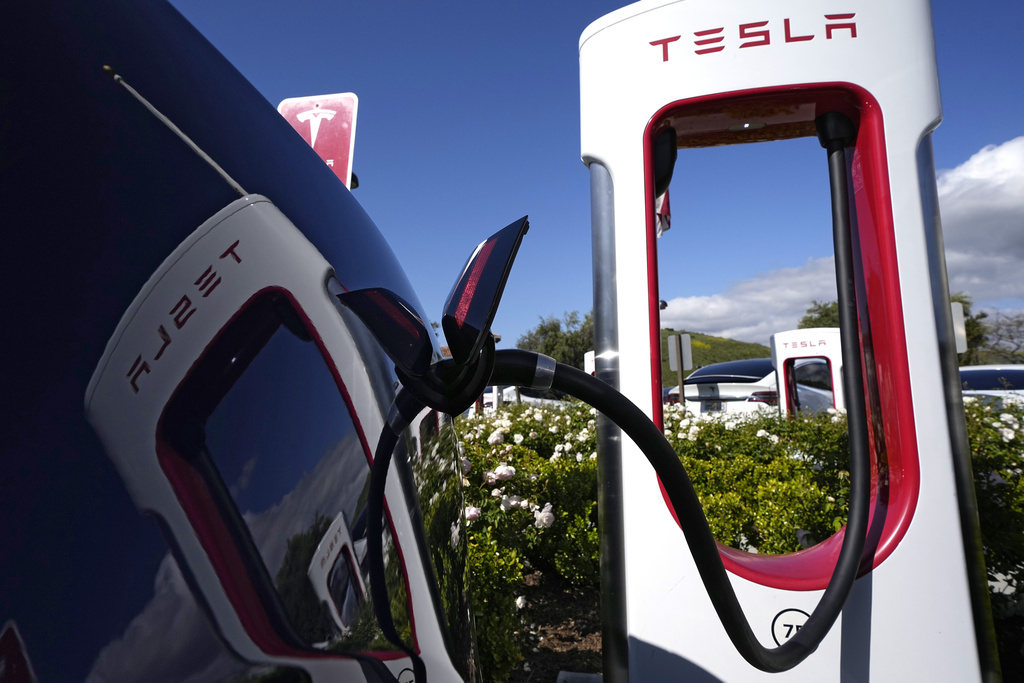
x: 759, y: 33
x: 328, y: 124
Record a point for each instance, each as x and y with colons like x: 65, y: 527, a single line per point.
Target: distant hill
x: 707, y: 350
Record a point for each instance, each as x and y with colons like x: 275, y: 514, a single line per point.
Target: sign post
x: 679, y: 348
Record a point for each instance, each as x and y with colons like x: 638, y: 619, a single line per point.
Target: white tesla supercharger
x: 808, y: 369
x: 700, y: 73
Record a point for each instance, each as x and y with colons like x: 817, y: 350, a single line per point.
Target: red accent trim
x: 765, y: 36
x: 200, y: 508
x: 664, y: 42
x: 197, y: 501
x: 895, y: 483
x: 392, y: 311
x: 790, y: 38
x: 469, y: 288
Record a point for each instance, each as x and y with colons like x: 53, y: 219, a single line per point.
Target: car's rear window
x: 742, y: 371
x: 985, y: 379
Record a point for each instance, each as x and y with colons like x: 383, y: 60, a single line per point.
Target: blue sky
x: 469, y: 119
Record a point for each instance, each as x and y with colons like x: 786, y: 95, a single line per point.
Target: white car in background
x: 749, y: 385
x: 535, y: 397
x: 733, y: 386
x: 509, y: 396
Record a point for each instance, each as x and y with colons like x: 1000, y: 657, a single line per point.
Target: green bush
x: 996, y: 434
x: 766, y: 483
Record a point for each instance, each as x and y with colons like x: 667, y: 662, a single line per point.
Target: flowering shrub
x: 996, y: 434
x: 530, y: 478
x: 530, y: 488
x: 767, y: 483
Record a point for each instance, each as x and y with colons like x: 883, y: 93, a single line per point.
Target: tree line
x: 996, y: 339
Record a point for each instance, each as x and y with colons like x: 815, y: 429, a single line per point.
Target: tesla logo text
x: 334, y: 542
x: 314, y: 116
x: 803, y: 344
x: 758, y: 33
x: 179, y: 315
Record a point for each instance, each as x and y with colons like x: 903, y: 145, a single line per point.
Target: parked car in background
x: 537, y: 397
x: 748, y: 385
x: 994, y: 381
x: 510, y: 396
x: 732, y: 386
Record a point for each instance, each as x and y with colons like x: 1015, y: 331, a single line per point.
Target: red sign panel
x: 328, y: 124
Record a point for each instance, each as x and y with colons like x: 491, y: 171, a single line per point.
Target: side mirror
x: 473, y: 301
x: 450, y: 386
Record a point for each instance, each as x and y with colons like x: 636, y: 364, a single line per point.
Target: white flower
x: 1010, y: 420
x: 1007, y: 434
x: 555, y: 457
x: 472, y: 513
x: 579, y: 457
x: 489, y: 477
x: 496, y: 437
x: 773, y: 438
x: 553, y: 429
x: 518, y: 438
x: 544, y: 518
x: 521, y: 602
x: 583, y: 436
x: 970, y: 399
x: 497, y: 493
x: 466, y: 465
x: 509, y: 502
x: 504, y: 472
x: 761, y: 433
x: 533, y: 435
x: 593, y: 456
x: 455, y: 534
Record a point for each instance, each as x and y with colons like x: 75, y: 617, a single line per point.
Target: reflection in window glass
x: 271, y: 419
x: 285, y: 445
x: 809, y: 385
x: 344, y: 588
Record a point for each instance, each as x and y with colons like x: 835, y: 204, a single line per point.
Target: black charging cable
x: 518, y: 367
x: 529, y: 369
x: 403, y: 410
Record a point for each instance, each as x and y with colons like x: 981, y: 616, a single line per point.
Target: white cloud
x: 752, y: 310
x: 982, y: 207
